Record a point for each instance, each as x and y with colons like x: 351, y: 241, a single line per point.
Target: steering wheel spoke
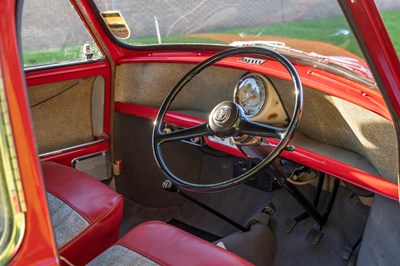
x: 187, y: 133
x: 257, y: 129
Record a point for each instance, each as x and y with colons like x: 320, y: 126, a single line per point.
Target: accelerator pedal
x: 314, y: 236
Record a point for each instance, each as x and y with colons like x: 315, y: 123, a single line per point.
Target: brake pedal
x: 289, y: 225
x: 314, y: 236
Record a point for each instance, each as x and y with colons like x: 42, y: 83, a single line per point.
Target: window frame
x: 11, y: 186
x: 51, y: 65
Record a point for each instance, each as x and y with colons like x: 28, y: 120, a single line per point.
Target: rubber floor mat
x: 194, y: 230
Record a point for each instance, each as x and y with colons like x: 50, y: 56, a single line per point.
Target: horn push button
x: 223, y: 118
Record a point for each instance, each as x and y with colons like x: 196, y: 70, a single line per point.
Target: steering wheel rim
x: 158, y: 137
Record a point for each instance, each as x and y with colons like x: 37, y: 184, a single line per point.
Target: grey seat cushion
x: 380, y: 244
x: 67, y: 223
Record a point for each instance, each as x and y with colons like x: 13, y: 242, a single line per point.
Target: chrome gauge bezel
x: 260, y: 80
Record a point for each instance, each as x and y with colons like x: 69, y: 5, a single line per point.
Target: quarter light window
x: 12, y: 204
x: 52, y: 32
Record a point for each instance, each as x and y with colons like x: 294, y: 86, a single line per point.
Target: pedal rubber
x: 346, y: 253
x: 289, y: 225
x: 314, y: 236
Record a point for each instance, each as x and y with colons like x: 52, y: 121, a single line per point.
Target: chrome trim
x: 252, y: 61
x: 73, y: 148
x: 101, y: 168
x: 256, y: 76
x: 11, y: 193
x: 33, y: 68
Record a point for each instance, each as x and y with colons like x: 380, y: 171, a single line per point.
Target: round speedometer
x: 250, y: 94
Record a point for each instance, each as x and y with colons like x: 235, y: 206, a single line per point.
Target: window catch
x: 87, y: 52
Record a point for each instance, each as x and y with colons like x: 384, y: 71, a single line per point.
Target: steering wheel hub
x: 222, y: 114
x: 223, y: 118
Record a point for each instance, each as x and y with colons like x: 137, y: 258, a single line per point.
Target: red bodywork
x: 38, y: 245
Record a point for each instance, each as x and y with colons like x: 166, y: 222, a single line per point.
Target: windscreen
x: 316, y: 30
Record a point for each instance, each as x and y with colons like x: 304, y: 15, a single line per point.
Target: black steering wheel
x: 227, y: 119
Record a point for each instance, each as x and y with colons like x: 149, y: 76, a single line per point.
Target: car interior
x: 160, y: 159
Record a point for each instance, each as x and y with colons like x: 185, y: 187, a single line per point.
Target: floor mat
x: 345, y: 225
x: 194, y: 230
x: 239, y: 204
x: 135, y: 214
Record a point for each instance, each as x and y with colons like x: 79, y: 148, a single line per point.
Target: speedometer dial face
x: 250, y: 94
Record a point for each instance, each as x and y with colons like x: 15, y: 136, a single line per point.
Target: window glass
x: 390, y: 12
x: 316, y: 27
x: 312, y: 30
x: 52, y: 32
x: 223, y: 22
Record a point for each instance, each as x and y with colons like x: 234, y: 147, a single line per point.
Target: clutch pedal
x: 289, y: 225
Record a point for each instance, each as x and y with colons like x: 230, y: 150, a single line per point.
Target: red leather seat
x: 86, y: 214
x: 157, y: 243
